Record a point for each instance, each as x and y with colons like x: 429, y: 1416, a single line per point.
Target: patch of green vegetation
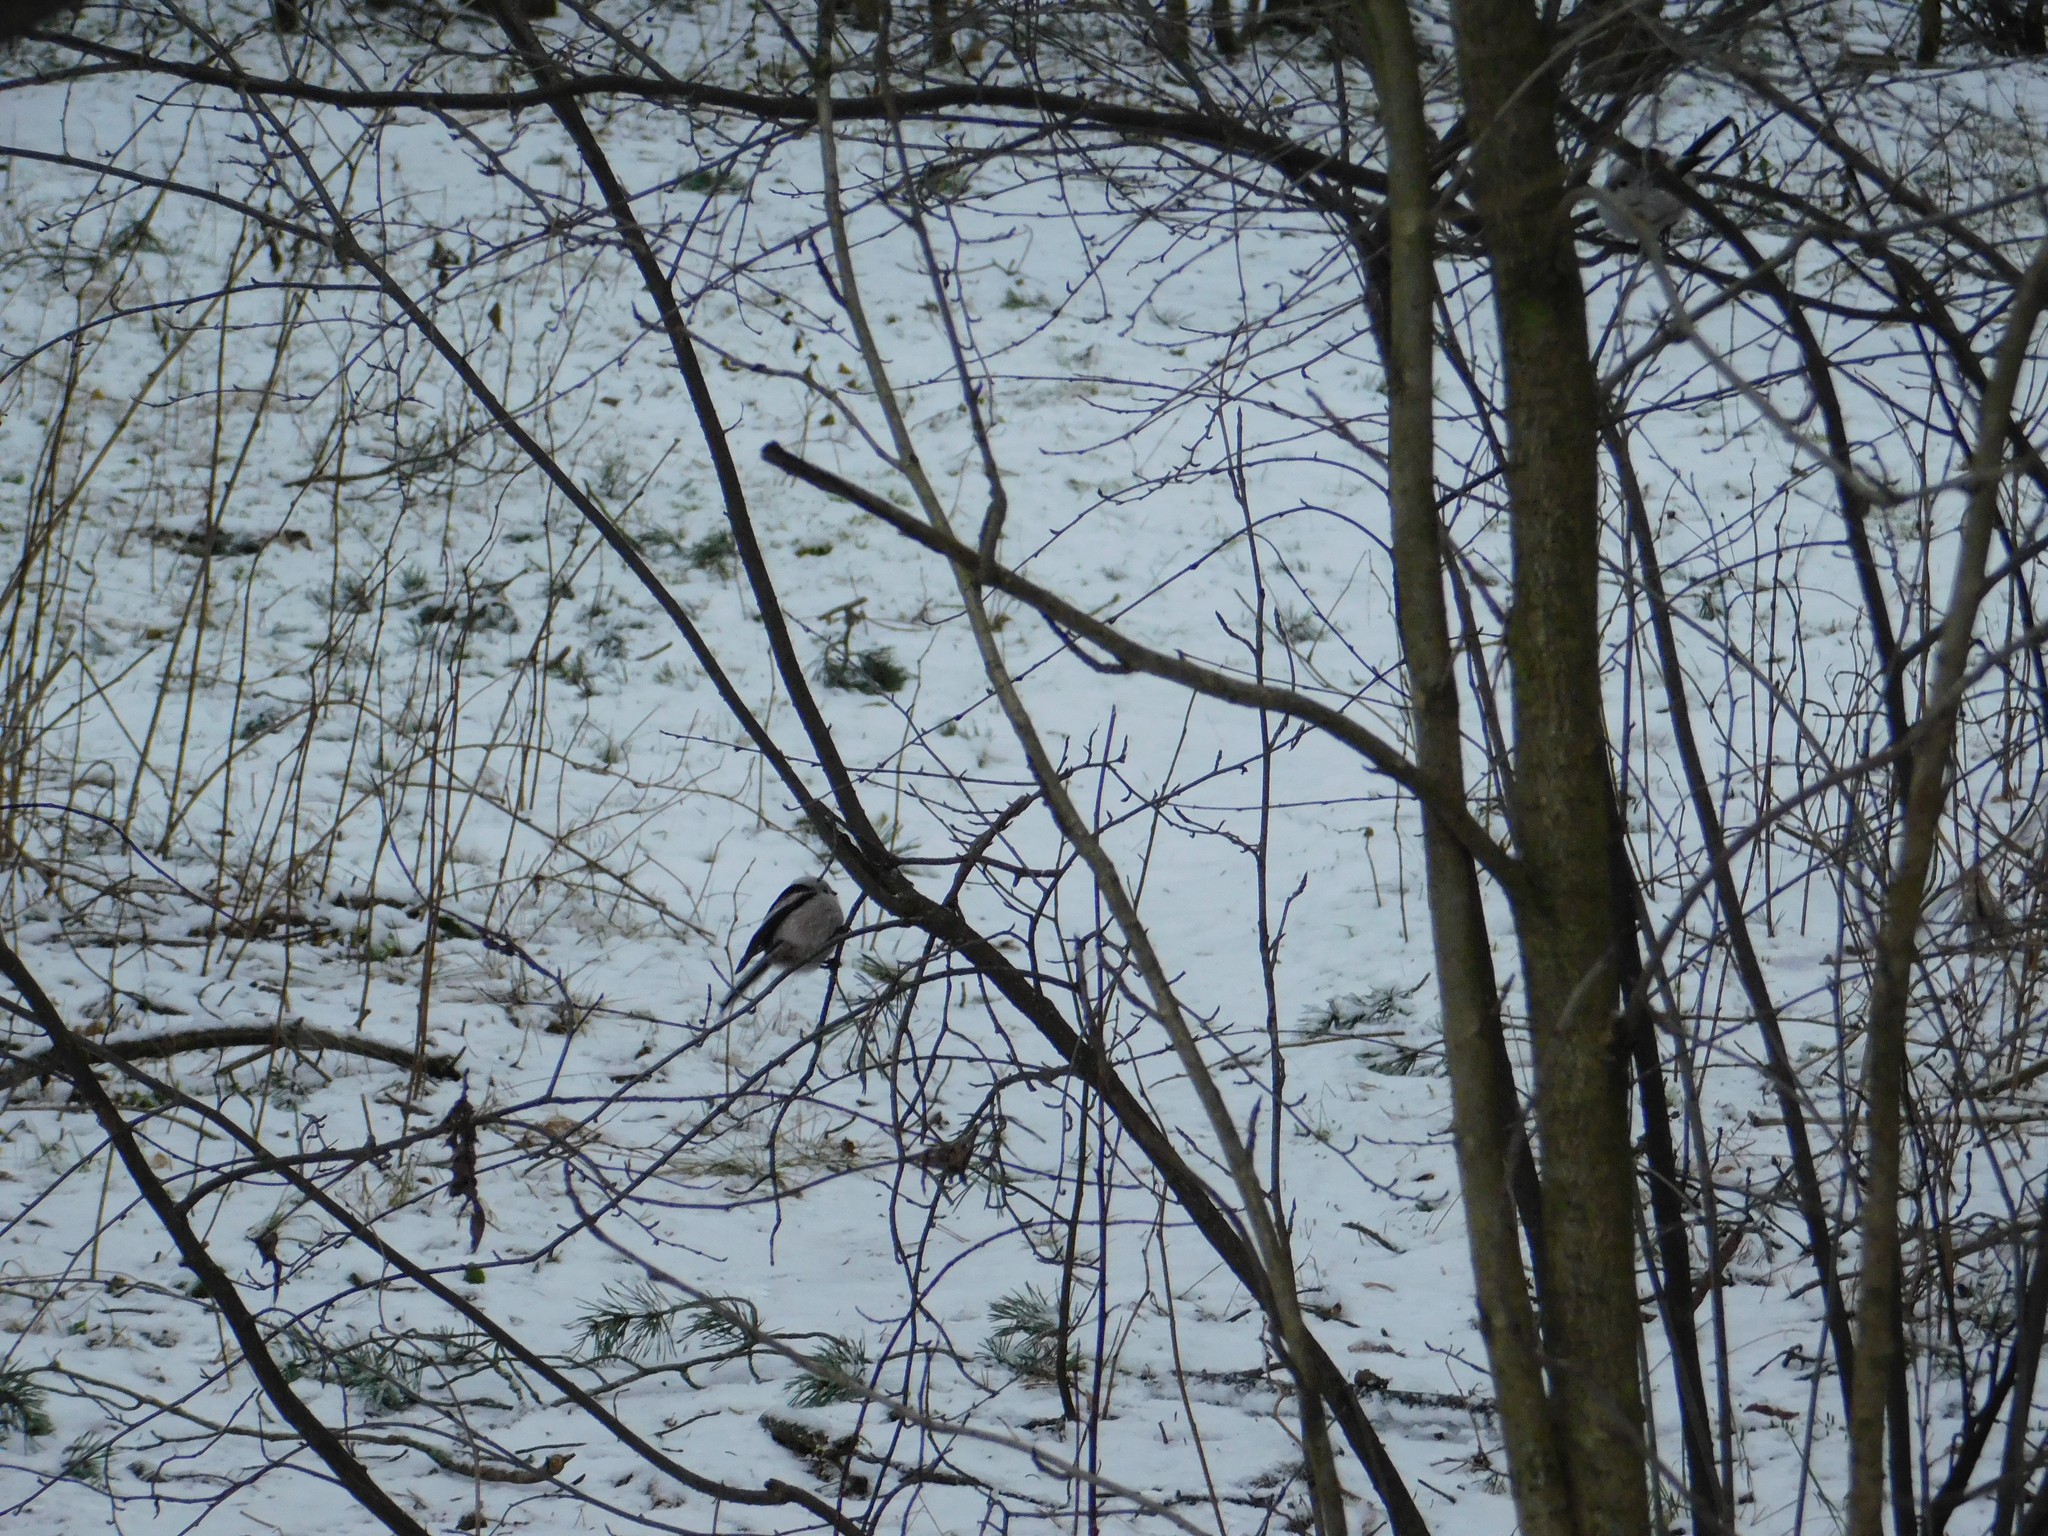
x: 1027, y: 1340
x: 22, y: 1401
x: 385, y: 1373
x: 1349, y: 1012
x: 135, y: 236
x: 837, y: 1357
x: 355, y: 594
x: 710, y: 180
x: 85, y: 1460
x: 713, y: 553
x: 640, y: 1324
x: 946, y: 181
x: 1297, y: 628
x: 572, y: 668
x: 873, y: 671
x: 378, y: 1373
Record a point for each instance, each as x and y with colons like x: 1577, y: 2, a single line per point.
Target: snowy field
x: 329, y: 721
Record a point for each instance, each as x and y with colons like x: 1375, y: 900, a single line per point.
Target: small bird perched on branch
x: 1640, y: 202
x: 799, y: 931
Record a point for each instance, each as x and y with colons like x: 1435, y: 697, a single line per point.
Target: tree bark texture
x: 1486, y: 1111
x: 1878, y: 1303
x: 1590, y: 1324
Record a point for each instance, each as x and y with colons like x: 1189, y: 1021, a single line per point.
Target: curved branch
x: 1442, y: 801
x: 74, y: 1057
x: 299, y: 1037
x: 77, y: 1055
x: 1299, y: 162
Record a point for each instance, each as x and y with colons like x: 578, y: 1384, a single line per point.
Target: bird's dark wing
x: 791, y: 896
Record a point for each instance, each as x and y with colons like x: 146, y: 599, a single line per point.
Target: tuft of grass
x: 1349, y: 1012
x: 85, y: 1460
x: 944, y: 181
x: 22, y: 1404
x: 1395, y: 1058
x: 1376, y: 1019
x: 386, y: 1373
x: 711, y: 180
x: 574, y: 669
x: 714, y: 553
x: 135, y: 236
x: 354, y: 594
x: 378, y: 1373
x: 747, y: 1163
x: 879, y: 968
x: 872, y: 671
x: 1297, y: 629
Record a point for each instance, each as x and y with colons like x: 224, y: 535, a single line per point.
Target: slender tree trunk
x: 1878, y: 1304
x: 1175, y: 40
x: 1486, y: 1113
x: 1930, y: 32
x: 1590, y: 1325
x: 1671, y: 1272
x: 2033, y: 1324
x: 1223, y: 28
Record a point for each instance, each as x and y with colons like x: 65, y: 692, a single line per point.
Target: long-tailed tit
x: 1643, y: 199
x: 1640, y: 209
x: 800, y: 930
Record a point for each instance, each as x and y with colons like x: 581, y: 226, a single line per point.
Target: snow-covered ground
x: 323, y: 709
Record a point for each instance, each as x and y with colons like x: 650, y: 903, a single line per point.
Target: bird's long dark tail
x: 747, y: 977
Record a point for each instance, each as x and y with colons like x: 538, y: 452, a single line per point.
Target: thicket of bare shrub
x: 491, y: 494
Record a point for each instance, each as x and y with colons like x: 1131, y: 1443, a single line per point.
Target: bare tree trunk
x: 1878, y: 1304
x: 1175, y: 38
x: 1668, y: 1249
x: 1590, y: 1325
x: 1930, y: 32
x: 1486, y: 1114
x: 1223, y: 28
